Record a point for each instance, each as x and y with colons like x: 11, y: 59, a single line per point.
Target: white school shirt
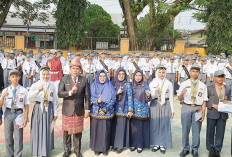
x: 89, y: 68
x: 210, y: 69
x: 171, y: 67
x: 8, y: 64
x: 201, y: 93
x: 227, y: 73
x: 132, y: 67
x: 167, y: 91
x: 99, y: 66
x: 29, y: 67
x: 147, y: 67
x: 21, y: 99
x: 39, y: 96
x: 182, y: 72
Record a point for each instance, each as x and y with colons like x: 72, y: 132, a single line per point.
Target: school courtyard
x: 87, y: 152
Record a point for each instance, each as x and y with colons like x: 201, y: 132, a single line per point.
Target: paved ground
x: 174, y: 152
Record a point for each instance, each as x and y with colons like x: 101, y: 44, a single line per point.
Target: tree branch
x: 5, y: 12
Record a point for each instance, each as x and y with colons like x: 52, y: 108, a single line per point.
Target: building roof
x: 198, y: 30
x: 116, y: 18
x: 18, y: 28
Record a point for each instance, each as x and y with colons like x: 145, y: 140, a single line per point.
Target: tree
x: 161, y: 38
x: 218, y: 18
x: 98, y: 23
x: 4, y: 9
x: 161, y: 12
x: 37, y: 10
x: 70, y: 25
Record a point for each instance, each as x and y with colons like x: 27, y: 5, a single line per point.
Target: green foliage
x: 218, y: 17
x: 160, y: 37
x: 70, y: 23
x: 99, y: 23
x: 219, y: 32
x: 37, y: 10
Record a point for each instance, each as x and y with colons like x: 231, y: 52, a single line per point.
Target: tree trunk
x: 5, y: 11
x: 147, y: 44
x: 130, y: 25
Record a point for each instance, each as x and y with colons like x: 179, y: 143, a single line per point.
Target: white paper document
x: 225, y: 107
x: 19, y: 120
x: 198, y: 115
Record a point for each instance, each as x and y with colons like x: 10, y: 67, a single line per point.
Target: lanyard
x: 14, y: 96
x: 194, y: 90
x: 220, y: 90
x: 46, y: 94
x: 13, y: 93
x: 162, y: 86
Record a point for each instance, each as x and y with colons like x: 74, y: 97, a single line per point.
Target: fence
x: 7, y: 39
x: 102, y: 43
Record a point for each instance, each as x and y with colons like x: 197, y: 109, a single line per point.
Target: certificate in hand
x: 19, y: 120
x: 225, y: 107
x: 198, y: 115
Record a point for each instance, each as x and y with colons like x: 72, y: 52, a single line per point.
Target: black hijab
x: 139, y: 88
x: 121, y: 97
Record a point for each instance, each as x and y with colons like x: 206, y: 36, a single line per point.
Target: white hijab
x: 158, y: 82
x: 46, y: 85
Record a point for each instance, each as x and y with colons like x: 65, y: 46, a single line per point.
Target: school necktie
x: 6, y: 64
x: 171, y: 67
x: 89, y: 68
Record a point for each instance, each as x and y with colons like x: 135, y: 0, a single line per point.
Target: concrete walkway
x: 174, y: 152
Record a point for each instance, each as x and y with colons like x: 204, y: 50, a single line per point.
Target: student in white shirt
x: 15, y: 99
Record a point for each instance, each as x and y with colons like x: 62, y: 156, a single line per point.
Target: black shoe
x: 132, y: 149
x: 195, y: 153
x: 113, y: 149
x: 66, y: 154
x: 139, y: 150
x: 217, y: 154
x: 155, y: 148
x: 97, y: 153
x: 162, y: 150
x: 118, y: 151
x: 78, y: 154
x: 212, y: 153
x: 105, y: 153
x: 184, y: 153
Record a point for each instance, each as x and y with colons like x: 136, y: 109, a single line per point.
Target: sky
x: 184, y: 21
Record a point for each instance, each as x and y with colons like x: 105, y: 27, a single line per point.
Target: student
x: 43, y: 115
x: 29, y: 72
x: 161, y: 111
x: 89, y: 71
x: 8, y: 64
x: 193, y: 93
x: 15, y: 99
x: 218, y: 92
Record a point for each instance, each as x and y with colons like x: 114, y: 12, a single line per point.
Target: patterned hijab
x: 105, y: 89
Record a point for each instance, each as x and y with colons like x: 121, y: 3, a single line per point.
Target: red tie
x: 75, y: 81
